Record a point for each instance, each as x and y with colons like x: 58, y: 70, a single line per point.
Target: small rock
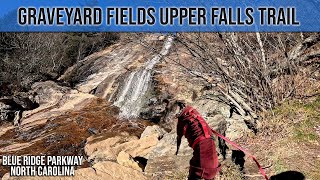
x: 127, y: 160
x: 152, y: 101
x: 317, y: 128
x: 161, y: 38
x: 153, y: 130
x: 93, y: 131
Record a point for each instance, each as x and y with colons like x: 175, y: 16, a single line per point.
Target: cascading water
x: 131, y: 98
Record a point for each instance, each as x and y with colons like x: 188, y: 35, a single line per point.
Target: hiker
x: 204, y: 163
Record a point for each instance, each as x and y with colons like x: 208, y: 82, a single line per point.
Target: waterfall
x: 132, y: 96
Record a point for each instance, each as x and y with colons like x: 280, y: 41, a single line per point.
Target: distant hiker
x: 204, y: 163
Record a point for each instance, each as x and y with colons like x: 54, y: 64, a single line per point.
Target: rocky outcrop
x: 167, y: 146
x: 162, y: 161
x: 11, y: 108
x: 104, y: 150
x: 103, y: 74
x: 216, y: 112
x: 109, y: 149
x: 156, y: 146
x: 153, y: 131
x: 48, y: 92
x: 53, y: 100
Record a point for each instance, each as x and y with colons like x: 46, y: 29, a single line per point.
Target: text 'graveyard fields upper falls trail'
x: 110, y: 106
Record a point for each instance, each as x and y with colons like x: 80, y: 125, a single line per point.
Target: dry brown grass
x: 230, y: 171
x: 288, y: 139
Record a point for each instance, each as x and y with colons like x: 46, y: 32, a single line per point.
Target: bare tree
x: 30, y: 57
x: 253, y: 71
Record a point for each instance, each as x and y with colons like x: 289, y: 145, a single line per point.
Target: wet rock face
x: 154, y: 111
x: 162, y: 110
x: 136, y: 88
x: 66, y: 133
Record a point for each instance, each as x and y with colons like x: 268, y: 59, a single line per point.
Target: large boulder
x: 54, y: 100
x: 216, y: 112
x: 104, y: 150
x: 48, y: 92
x: 162, y: 161
x: 153, y: 130
x: 140, y: 147
x: 109, y: 149
x: 168, y: 145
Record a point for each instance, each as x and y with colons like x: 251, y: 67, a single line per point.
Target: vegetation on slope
x: 26, y: 58
x: 289, y: 138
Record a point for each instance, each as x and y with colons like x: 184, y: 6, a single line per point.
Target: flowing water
x: 132, y: 96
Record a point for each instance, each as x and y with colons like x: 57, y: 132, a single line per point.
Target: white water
x: 131, y: 98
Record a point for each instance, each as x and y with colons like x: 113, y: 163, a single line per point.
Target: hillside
x: 289, y: 138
